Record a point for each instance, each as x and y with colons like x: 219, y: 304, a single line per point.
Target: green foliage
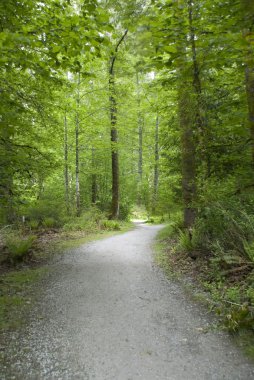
x: 175, y: 225
x: 49, y: 222
x: 89, y: 220
x: 46, y: 210
x: 185, y: 242
x: 124, y: 210
x: 224, y: 229
x: 33, y: 224
x: 19, y: 247
x: 111, y: 225
x: 237, y: 317
x: 249, y: 249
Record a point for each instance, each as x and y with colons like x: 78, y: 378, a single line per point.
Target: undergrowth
x: 29, y: 241
x: 218, y: 255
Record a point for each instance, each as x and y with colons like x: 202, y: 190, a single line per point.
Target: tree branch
x: 113, y: 58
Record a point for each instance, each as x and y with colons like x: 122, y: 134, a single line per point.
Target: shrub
x: 33, y: 224
x: 111, y: 225
x: 49, y: 222
x: 224, y: 231
x: 185, y: 242
x: 19, y: 247
x: 46, y: 209
x: 249, y: 249
x: 124, y: 210
x: 89, y: 220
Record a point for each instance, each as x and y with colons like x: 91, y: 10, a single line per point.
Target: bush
x: 249, y: 249
x: 185, y: 242
x: 223, y: 230
x: 19, y: 247
x: 124, y: 210
x: 49, y: 222
x: 89, y: 220
x: 111, y: 225
x: 33, y: 224
x: 45, y: 210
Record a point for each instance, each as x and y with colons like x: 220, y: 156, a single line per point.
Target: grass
x: 16, y: 295
x: 73, y: 239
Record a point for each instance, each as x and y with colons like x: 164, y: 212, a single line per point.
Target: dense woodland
x: 146, y: 105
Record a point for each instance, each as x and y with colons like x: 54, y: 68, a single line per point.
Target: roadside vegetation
x: 214, y: 261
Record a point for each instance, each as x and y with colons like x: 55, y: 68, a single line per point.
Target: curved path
x: 108, y: 313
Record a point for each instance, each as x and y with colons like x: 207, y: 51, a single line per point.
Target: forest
x: 112, y: 110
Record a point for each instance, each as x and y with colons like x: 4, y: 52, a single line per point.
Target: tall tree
x: 114, y: 132
x: 248, y: 35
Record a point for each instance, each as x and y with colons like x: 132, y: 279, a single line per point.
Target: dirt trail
x: 107, y: 312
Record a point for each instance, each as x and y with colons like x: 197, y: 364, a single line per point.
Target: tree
x: 114, y: 134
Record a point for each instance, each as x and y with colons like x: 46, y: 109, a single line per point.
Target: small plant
x: 238, y: 317
x: 33, y: 224
x: 49, y: 222
x: 111, y: 225
x: 188, y: 241
x: 19, y: 247
x: 185, y: 241
x: 249, y: 249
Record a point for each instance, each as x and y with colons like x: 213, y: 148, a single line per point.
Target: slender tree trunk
x: 248, y: 35
x: 9, y: 196
x: 140, y: 161
x: 78, y: 210
x: 188, y: 159
x: 114, y: 134
x: 200, y: 120
x: 94, y: 179
x: 140, y: 143
x: 66, y: 166
x: 114, y: 149
x: 249, y: 73
x: 156, y: 165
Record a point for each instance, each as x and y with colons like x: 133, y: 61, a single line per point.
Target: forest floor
x: 106, y: 311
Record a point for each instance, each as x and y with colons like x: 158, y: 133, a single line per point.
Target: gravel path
x: 108, y: 313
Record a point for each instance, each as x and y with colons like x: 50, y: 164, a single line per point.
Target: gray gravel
x: 107, y: 312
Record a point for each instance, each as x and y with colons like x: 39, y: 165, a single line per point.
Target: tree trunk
x: 186, y: 126
x: 140, y: 144
x: 248, y: 35
x: 200, y: 120
x: 114, y: 134
x: 188, y: 160
x: 156, y: 166
x: 114, y: 149
x: 94, y: 179
x: 78, y: 210
x: 66, y: 166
